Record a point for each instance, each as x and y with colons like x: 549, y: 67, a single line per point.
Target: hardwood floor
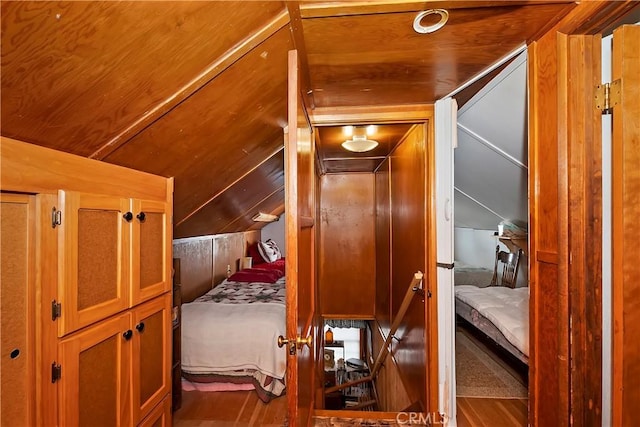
x: 482, y: 412
x: 243, y: 408
x: 236, y: 408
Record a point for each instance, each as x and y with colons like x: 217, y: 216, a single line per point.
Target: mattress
x: 506, y: 308
x: 235, y: 327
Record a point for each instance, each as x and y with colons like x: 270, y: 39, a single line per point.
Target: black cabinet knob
x: 15, y: 353
x: 127, y: 335
x: 128, y: 216
x: 141, y: 216
x: 140, y: 327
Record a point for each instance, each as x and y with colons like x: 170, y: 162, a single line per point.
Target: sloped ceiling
x: 491, y: 163
x: 197, y: 90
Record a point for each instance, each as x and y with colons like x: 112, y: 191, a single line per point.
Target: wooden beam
x: 347, y: 8
x: 297, y: 32
x: 380, y: 114
x: 208, y: 74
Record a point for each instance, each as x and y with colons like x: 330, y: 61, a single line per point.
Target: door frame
x: 565, y: 143
x: 420, y: 114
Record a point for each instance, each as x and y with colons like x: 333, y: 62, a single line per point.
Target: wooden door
x: 300, y: 248
x: 17, y: 324
x: 151, y: 355
x: 446, y: 119
x: 151, y: 260
x: 95, y: 371
x: 93, y: 261
x: 626, y: 227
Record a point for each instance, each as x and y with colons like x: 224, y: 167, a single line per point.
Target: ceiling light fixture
x: 359, y: 142
x: 265, y: 217
x: 426, y: 29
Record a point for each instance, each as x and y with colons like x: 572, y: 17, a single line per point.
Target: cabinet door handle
x: 127, y: 335
x: 128, y: 216
x: 141, y: 216
x: 140, y: 327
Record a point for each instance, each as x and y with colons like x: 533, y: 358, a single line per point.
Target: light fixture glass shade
x: 264, y: 217
x: 360, y: 144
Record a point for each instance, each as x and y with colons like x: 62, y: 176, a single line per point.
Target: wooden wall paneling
x: 350, y: 60
x: 626, y: 210
x: 90, y: 45
x: 583, y: 151
x: 408, y: 205
x: 347, y: 245
x: 196, y: 266
x: 70, y: 172
x: 211, y: 153
x: 548, y: 384
x: 228, y: 249
x: 204, y: 260
x: 383, y: 245
x: 392, y: 396
x: 18, y: 298
x: 260, y: 189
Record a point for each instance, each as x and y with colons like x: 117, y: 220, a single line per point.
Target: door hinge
x: 607, y: 96
x: 56, y: 372
x: 56, y: 217
x: 56, y: 310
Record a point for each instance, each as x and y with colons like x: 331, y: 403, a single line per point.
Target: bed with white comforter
x: 232, y: 332
x: 501, y: 313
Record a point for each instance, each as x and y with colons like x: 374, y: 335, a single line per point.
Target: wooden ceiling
x: 197, y: 90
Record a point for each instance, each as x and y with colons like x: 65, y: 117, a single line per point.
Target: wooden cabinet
x: 151, y: 247
x: 86, y: 301
x: 93, y: 258
x: 151, y: 361
x: 160, y: 416
x: 95, y: 366
x: 113, y: 254
x: 116, y: 371
x: 17, y: 323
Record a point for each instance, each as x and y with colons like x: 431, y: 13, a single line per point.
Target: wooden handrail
x: 384, y: 350
x: 413, y: 288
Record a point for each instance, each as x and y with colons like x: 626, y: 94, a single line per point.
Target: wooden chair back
x: 505, y: 270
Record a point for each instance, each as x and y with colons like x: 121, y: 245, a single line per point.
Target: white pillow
x: 267, y: 251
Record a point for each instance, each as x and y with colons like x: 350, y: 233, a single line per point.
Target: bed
x: 499, y: 312
x: 230, y: 334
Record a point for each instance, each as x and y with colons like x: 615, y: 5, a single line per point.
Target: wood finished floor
x: 228, y: 409
x: 243, y: 408
x: 481, y: 412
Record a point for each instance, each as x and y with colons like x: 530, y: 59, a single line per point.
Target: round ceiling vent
x: 426, y: 29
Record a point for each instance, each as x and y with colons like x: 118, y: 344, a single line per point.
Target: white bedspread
x: 218, y: 337
x: 506, y: 308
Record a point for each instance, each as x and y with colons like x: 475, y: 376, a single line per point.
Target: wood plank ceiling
x: 197, y: 89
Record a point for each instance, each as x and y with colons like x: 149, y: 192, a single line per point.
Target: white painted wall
x: 475, y: 247
x: 275, y: 230
x: 478, y: 248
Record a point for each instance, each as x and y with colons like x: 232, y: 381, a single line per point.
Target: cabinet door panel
x: 93, y: 258
x: 94, y: 385
x: 152, y: 250
x: 17, y: 275
x: 151, y: 354
x: 160, y: 416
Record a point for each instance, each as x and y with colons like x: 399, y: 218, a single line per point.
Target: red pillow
x: 254, y: 275
x: 278, y: 265
x: 254, y: 253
